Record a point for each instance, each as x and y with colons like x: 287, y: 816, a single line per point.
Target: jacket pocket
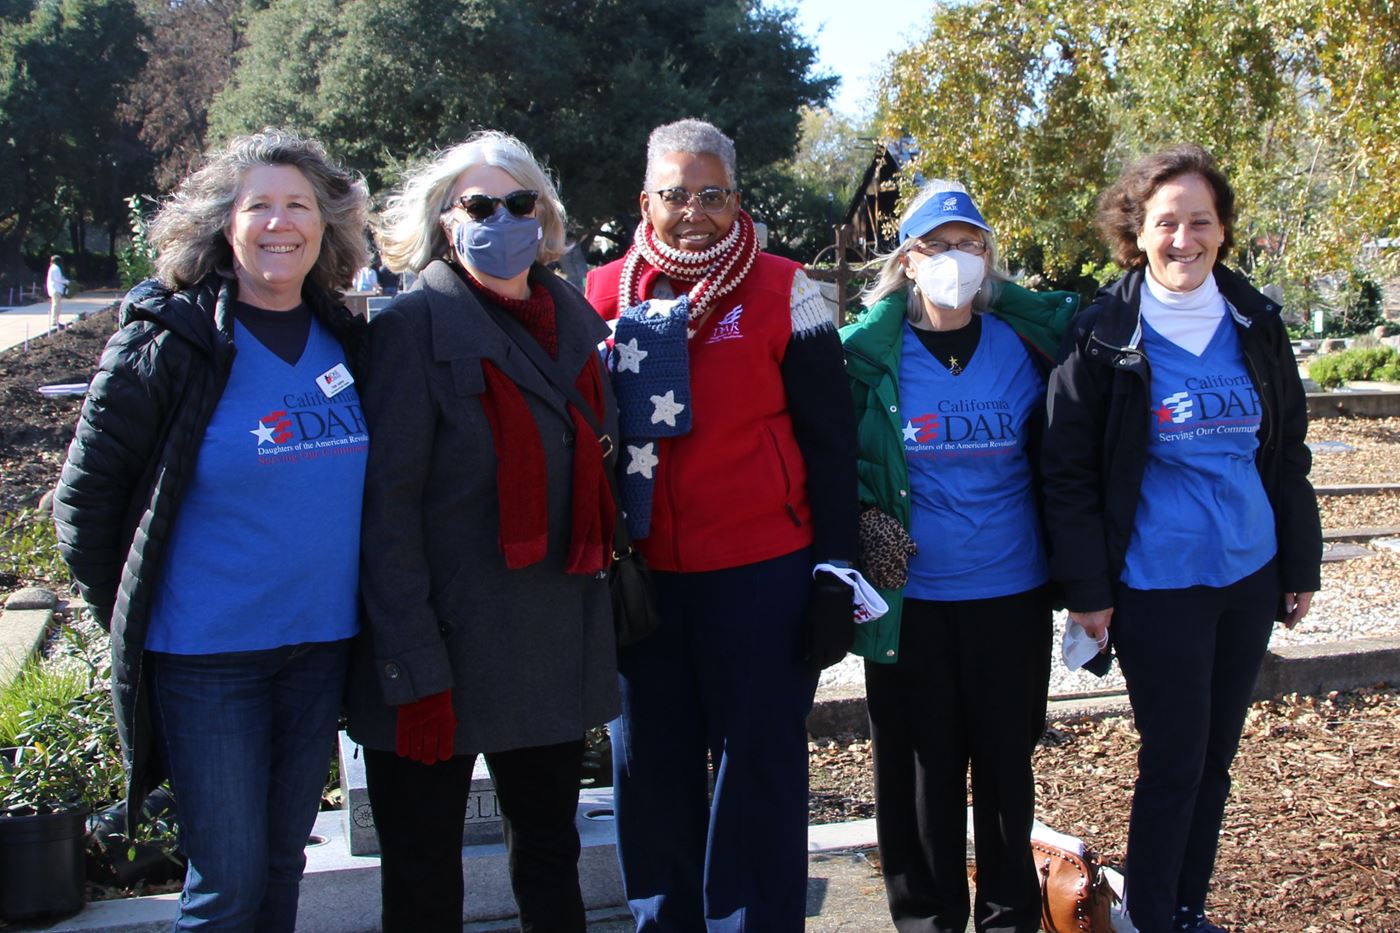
x: 446, y: 602
x: 782, y: 474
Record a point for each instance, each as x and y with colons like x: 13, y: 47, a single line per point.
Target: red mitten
x: 425, y: 729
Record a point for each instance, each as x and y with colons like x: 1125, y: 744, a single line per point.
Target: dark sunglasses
x: 481, y: 206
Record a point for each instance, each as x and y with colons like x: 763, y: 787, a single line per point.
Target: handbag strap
x: 549, y: 369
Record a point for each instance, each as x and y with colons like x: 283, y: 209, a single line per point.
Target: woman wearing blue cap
x: 947, y: 370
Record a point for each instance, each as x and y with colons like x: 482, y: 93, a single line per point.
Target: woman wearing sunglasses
x: 738, y: 481
x: 947, y: 369
x: 488, y: 521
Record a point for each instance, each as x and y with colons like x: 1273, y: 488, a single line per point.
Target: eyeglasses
x: 935, y: 247
x: 481, y: 206
x: 712, y: 200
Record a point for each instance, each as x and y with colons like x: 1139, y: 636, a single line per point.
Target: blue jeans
x: 247, y: 737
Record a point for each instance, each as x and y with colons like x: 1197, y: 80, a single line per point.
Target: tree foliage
x: 581, y: 81
x: 1037, y: 106
x: 64, y: 155
x: 190, y: 47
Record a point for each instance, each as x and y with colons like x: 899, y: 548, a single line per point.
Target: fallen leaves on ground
x: 1311, y: 837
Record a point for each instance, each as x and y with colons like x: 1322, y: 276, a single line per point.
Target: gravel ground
x: 1360, y: 598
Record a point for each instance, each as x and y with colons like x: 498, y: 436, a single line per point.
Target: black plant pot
x: 41, y: 864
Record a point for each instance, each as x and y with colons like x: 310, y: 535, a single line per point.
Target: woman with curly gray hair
x: 209, y: 510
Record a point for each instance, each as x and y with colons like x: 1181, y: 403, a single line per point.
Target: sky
x: 852, y: 41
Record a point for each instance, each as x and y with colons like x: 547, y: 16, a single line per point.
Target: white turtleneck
x: 1187, y: 319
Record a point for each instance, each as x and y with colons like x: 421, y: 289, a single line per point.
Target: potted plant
x: 64, y: 763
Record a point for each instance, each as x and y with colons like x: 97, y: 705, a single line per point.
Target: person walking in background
x: 56, y: 284
x: 1182, y: 523
x: 947, y: 369
x: 738, y: 480
x: 209, y: 511
x: 488, y: 529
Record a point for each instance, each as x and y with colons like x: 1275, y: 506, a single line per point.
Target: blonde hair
x: 892, y: 277
x: 410, y: 233
x: 188, y: 230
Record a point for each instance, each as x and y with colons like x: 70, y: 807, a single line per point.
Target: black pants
x: 969, y: 687
x: 1190, y: 658
x: 418, y: 812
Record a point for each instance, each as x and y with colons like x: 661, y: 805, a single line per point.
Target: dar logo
x: 728, y: 327
x: 927, y: 427
x: 1176, y: 408
x: 950, y: 204
x: 274, y: 428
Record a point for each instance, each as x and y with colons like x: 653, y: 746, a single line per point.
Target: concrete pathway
x: 27, y: 322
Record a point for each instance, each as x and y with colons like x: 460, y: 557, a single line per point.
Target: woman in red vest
x: 739, y: 482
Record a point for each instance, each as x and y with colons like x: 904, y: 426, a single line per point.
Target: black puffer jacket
x: 1095, y: 446
x: 133, y: 454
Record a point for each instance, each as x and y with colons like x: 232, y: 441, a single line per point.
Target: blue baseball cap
x: 941, y: 208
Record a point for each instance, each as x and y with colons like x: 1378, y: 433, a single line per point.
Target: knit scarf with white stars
x: 650, y: 365
x: 717, y: 271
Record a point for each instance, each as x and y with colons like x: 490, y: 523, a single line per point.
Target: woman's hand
x: 1095, y: 624
x: 1295, y: 606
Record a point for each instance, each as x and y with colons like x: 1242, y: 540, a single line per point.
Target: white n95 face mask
x: 950, y: 279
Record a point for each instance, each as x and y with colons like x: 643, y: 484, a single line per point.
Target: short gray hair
x: 188, y: 229
x: 693, y: 136
x: 892, y: 277
x: 410, y: 233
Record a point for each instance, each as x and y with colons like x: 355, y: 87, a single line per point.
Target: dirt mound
x: 35, y: 429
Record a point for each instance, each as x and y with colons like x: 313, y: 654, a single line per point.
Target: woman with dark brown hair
x: 1181, y: 519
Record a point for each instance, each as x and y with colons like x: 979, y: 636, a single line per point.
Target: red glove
x: 425, y: 729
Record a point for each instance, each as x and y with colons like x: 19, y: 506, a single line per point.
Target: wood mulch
x: 1311, y: 837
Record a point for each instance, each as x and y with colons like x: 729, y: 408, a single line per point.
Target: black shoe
x: 1187, y: 920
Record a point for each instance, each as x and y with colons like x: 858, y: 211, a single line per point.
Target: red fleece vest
x: 734, y: 490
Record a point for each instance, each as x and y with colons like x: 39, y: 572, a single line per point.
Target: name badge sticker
x: 334, y: 380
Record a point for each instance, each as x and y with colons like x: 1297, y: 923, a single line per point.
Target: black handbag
x: 635, y: 616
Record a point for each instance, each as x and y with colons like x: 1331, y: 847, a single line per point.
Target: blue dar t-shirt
x: 974, y: 512
x: 1203, y: 518
x: 265, y: 549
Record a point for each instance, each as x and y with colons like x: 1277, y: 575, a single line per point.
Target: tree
x: 582, y: 82
x: 64, y: 155
x: 190, y: 48
x: 1007, y: 99
x: 1038, y: 105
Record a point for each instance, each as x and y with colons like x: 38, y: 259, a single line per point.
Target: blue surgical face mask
x: 502, y: 245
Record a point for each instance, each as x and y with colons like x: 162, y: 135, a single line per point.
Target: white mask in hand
x: 950, y: 279
x: 1078, y: 647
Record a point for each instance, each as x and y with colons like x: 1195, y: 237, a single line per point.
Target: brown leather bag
x: 1075, y: 897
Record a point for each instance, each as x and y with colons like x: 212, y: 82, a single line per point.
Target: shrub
x: 1332, y: 369
x: 68, y: 753
x: 39, y: 687
x: 29, y: 550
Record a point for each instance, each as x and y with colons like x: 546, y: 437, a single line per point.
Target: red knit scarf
x: 716, y: 271
x: 522, y: 476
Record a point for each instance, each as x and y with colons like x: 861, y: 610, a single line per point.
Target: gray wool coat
x: 529, y: 654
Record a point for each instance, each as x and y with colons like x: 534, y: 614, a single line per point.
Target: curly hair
x: 692, y: 136
x: 892, y: 276
x: 410, y: 233
x: 188, y: 230
x: 1122, y: 206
